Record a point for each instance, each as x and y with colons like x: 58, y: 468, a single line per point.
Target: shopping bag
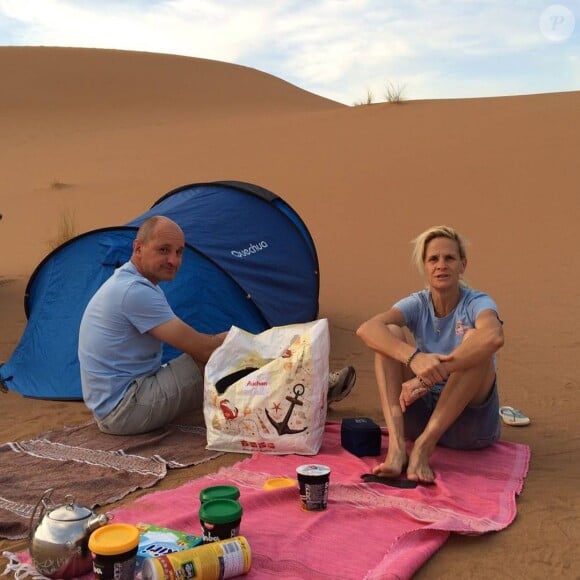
x: 267, y: 392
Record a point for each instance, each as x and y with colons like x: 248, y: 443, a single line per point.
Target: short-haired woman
x: 442, y: 389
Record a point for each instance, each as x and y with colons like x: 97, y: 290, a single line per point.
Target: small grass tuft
x: 58, y: 184
x: 368, y: 101
x: 394, y: 93
x: 66, y: 229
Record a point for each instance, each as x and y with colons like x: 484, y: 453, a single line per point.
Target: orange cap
x: 113, y: 539
x: 278, y: 482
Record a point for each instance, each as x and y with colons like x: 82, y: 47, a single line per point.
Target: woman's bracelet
x: 410, y: 359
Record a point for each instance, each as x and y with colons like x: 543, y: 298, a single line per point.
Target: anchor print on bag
x: 282, y: 426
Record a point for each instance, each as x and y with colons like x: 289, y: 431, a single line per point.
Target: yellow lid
x: 278, y: 482
x: 114, y: 539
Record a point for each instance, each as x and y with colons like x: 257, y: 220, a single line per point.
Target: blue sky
x: 340, y: 49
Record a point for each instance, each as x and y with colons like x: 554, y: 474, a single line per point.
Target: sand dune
x: 103, y: 134
x: 90, y: 81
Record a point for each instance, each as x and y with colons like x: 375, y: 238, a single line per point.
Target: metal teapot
x: 59, y: 537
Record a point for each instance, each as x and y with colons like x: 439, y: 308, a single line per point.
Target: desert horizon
x: 97, y: 136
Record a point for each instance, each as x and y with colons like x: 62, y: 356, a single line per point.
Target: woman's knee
x: 467, y: 334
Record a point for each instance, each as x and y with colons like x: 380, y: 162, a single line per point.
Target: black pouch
x: 360, y: 436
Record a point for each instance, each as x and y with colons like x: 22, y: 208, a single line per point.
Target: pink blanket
x: 369, y: 530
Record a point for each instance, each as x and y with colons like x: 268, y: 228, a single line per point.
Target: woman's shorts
x: 475, y: 428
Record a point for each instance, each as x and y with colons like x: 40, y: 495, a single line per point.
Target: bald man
x: 121, y: 339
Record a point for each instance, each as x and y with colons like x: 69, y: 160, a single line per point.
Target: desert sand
x: 100, y: 135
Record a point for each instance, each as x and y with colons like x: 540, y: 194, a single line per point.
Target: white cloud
x: 203, y: 28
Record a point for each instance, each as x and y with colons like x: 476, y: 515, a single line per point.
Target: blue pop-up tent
x: 249, y: 261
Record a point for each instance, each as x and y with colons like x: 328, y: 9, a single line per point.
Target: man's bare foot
x: 394, y: 464
x: 419, y: 468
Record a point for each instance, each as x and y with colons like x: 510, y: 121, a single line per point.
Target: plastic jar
x: 219, y: 492
x: 114, y: 549
x: 313, y: 481
x: 220, y: 519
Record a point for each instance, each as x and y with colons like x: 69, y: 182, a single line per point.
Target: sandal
x: 513, y: 417
x: 393, y: 482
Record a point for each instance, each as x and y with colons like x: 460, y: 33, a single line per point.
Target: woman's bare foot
x: 419, y: 468
x: 394, y: 464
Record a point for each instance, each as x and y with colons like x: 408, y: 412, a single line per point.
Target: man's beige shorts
x: 155, y: 400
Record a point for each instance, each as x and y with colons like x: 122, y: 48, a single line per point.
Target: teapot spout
x: 97, y: 522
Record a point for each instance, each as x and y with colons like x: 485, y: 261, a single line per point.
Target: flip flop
x: 512, y: 416
x: 393, y: 482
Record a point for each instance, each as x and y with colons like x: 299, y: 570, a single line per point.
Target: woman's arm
x: 478, y: 344
x: 376, y: 335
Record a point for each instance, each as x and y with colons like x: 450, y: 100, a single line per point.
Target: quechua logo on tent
x: 251, y: 249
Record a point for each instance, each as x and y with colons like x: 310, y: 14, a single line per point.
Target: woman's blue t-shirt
x: 442, y: 335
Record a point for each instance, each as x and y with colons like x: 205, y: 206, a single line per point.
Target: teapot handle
x: 44, y: 500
